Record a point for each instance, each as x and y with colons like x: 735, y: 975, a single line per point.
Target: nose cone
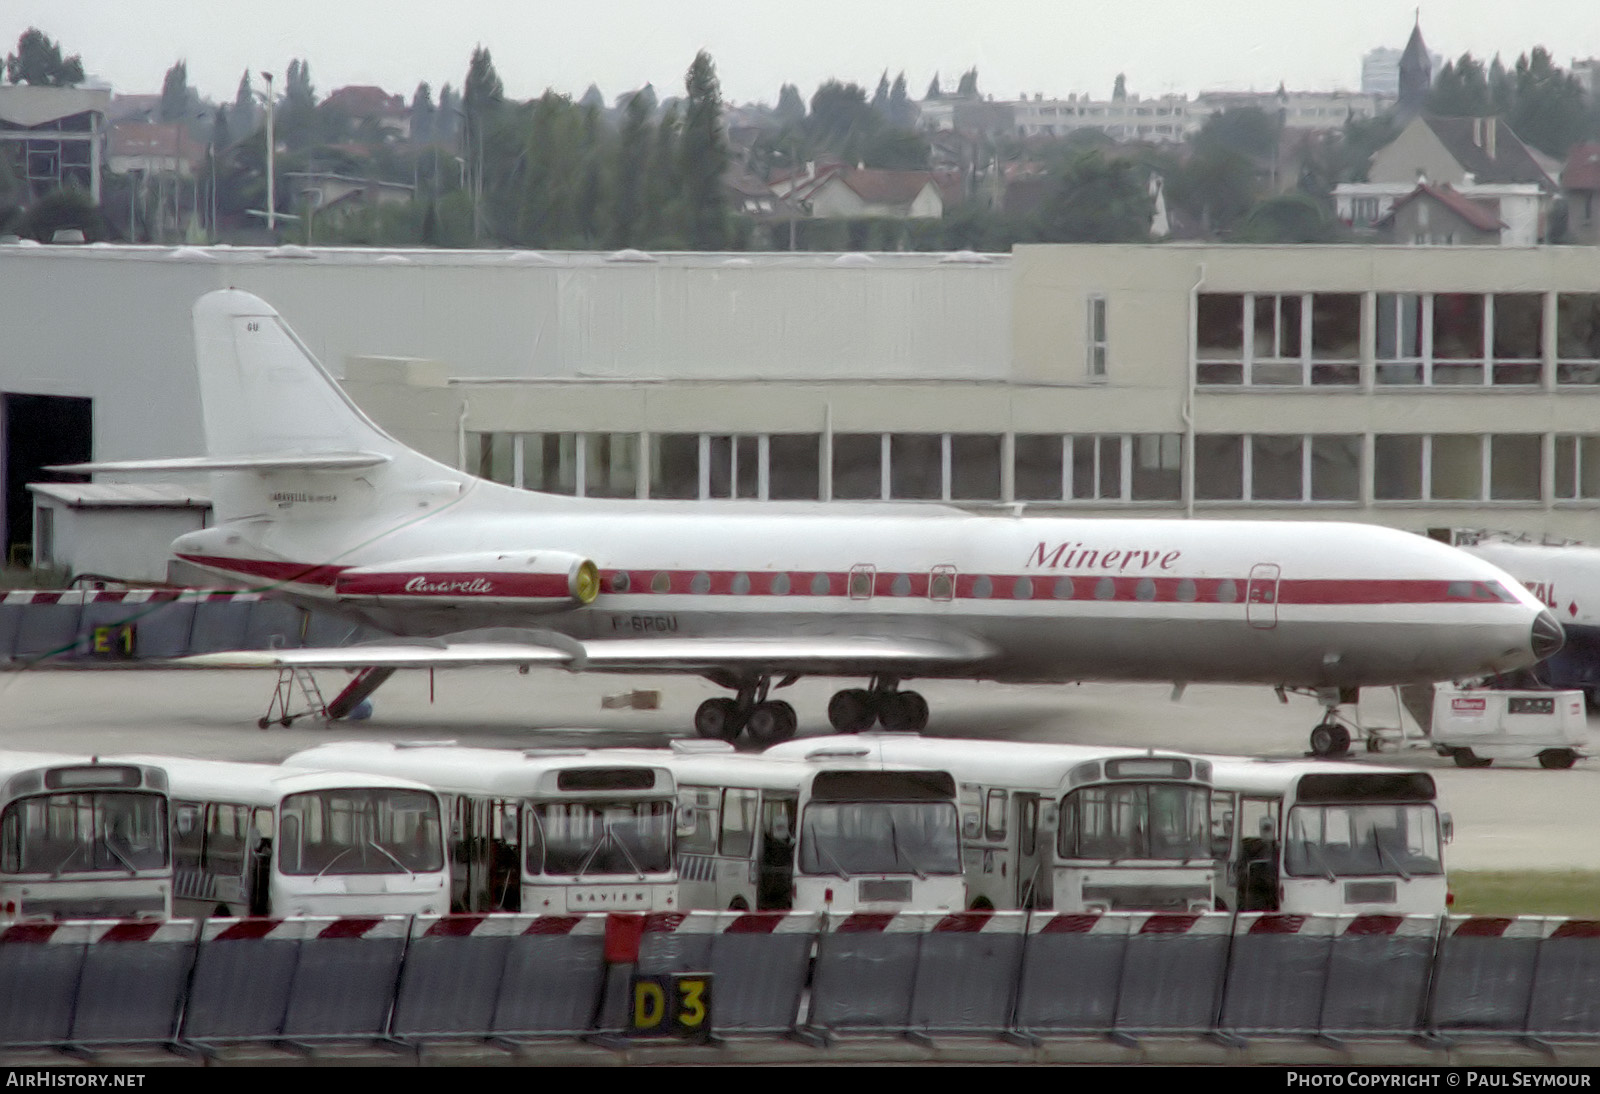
x: 1548, y: 637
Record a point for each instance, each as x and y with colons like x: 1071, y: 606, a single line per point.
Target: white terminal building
x: 1410, y: 386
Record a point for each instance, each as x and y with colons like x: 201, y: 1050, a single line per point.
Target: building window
x: 610, y: 465
x: 794, y: 467
x: 1281, y: 467
x: 1219, y: 467
x: 916, y: 466
x: 1517, y: 338
x: 1577, y: 467
x: 1097, y: 337
x: 548, y: 462
x: 1219, y: 338
x: 974, y: 467
x: 1037, y: 467
x: 1336, y: 339
x: 1296, y: 339
x: 675, y: 466
x: 1471, y: 467
x: 733, y: 467
x: 1096, y: 472
x: 495, y: 457
x: 1157, y: 468
x: 857, y: 466
x: 1398, y: 338
x: 1578, y: 338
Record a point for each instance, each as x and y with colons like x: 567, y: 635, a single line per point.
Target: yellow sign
x: 675, y: 1005
x: 112, y: 642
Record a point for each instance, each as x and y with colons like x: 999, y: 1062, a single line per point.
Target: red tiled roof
x: 1582, y: 171
x: 1465, y: 208
x: 364, y: 101
x: 882, y: 187
x: 149, y: 139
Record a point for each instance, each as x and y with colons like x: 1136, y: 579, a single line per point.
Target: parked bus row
x: 869, y: 822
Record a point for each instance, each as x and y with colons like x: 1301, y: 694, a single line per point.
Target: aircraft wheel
x: 1329, y: 739
x: 263, y: 723
x: 903, y: 712
x: 1557, y: 758
x: 1465, y: 757
x: 718, y: 719
x: 852, y: 710
x: 771, y: 722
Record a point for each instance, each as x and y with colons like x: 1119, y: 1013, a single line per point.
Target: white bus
x: 261, y: 840
x: 763, y: 834
x: 82, y: 838
x: 1303, y: 837
x: 539, y: 831
x: 1066, y: 827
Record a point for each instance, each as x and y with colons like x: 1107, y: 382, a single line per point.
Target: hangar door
x: 40, y: 430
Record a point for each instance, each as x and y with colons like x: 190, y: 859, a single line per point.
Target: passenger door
x: 775, y: 872
x: 1261, y: 596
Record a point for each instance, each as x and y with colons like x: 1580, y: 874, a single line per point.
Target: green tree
x: 175, y: 99
x: 902, y: 111
x: 1287, y: 218
x: 1461, y: 89
x: 1215, y: 188
x: 38, y: 62
x: 63, y: 210
x: 1119, y: 89
x: 791, y: 107
x: 631, y: 166
x: 422, y: 114
x: 703, y: 156
x: 967, y: 88
x: 880, y: 97
x: 296, y: 121
x: 933, y: 89
x: 662, y: 225
x: 221, y: 131
x: 244, y: 116
x: 1548, y: 109
x: 1096, y: 200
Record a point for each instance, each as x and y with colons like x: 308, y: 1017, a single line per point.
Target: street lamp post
x: 272, y: 202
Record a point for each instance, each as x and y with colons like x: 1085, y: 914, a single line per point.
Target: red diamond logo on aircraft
x: 1572, y: 609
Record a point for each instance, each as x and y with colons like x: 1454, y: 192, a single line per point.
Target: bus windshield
x: 1362, y: 840
x: 107, y: 831
x: 850, y: 838
x: 583, y: 839
x: 1136, y: 821
x: 360, y: 830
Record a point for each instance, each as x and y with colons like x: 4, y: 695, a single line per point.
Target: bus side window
x: 1067, y: 827
x: 225, y: 832
x: 1222, y: 810
x: 1030, y: 825
x: 994, y: 815
x: 697, y: 823
x: 738, y: 822
x: 188, y: 835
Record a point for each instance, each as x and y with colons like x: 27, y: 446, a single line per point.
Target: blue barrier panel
x: 1378, y: 974
x: 759, y: 962
x: 967, y: 971
x: 344, y: 982
x: 1566, y: 983
x: 451, y: 977
x: 1172, y: 973
x: 12, y: 609
x: 132, y: 983
x: 242, y: 975
x: 1277, y: 972
x: 48, y: 626
x: 39, y: 968
x: 273, y: 624
x: 1483, y: 979
x: 865, y: 972
x: 1071, y: 969
x: 555, y: 970
x: 222, y: 622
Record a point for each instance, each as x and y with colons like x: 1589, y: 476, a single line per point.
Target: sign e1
x: 675, y: 1005
x: 113, y: 642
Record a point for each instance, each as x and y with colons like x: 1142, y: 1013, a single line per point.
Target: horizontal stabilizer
x: 321, y: 461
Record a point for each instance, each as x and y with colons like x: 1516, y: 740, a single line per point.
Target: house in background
x: 54, y: 136
x: 1580, y: 189
x: 362, y: 104
x: 1479, y: 158
x: 1438, y: 216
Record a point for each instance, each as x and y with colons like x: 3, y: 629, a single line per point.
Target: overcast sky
x: 1050, y: 46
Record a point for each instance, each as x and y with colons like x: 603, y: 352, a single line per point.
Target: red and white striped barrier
x: 75, y: 597
x: 1132, y: 923
x: 1538, y: 927
x: 506, y: 926
x: 95, y: 932
x: 304, y: 928
x: 1344, y: 925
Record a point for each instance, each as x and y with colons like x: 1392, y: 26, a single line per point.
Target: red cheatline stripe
x: 755, y: 923
x: 865, y: 922
x: 1082, y: 923
x: 1374, y: 924
x: 132, y: 932
x: 454, y: 926
x: 1278, y: 924
x: 1482, y: 927
x: 552, y: 924
x: 350, y: 927
x: 1577, y: 928
x: 963, y: 922
x: 1168, y: 924
x: 247, y: 930
x: 1038, y: 585
x: 662, y: 922
x: 28, y: 932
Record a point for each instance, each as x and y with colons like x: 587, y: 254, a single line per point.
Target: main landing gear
x: 769, y: 721
x: 855, y: 709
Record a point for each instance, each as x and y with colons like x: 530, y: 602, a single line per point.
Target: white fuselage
x: 1275, y: 602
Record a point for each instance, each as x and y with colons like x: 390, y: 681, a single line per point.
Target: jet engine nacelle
x: 552, y: 579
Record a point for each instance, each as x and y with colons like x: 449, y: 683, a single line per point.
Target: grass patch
x: 1534, y: 892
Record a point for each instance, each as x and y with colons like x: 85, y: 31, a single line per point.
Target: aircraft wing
x: 826, y: 654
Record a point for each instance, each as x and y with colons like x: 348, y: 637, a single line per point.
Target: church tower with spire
x: 1416, y: 74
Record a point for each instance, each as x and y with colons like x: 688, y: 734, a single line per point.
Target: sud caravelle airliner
x: 316, y: 501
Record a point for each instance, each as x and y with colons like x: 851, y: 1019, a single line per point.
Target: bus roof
x: 1255, y: 775
x: 759, y: 770
x: 459, y: 769
x: 259, y: 784
x: 16, y: 761
x: 1030, y: 764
